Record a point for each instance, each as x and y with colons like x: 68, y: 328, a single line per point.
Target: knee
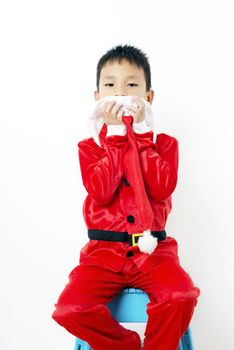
x: 61, y: 314
x: 184, y: 296
x: 175, y: 296
x: 187, y: 297
x: 184, y: 290
x: 64, y: 314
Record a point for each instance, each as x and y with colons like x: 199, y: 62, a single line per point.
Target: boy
x: 129, y: 179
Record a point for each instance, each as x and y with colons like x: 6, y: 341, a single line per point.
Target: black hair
x: 132, y: 54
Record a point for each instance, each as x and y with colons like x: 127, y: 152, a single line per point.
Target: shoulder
x: 166, y: 142
x: 162, y: 138
x: 87, y: 142
x: 89, y: 146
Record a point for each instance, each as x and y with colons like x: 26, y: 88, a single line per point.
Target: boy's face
x: 122, y: 79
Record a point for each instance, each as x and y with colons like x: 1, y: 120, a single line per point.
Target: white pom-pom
x: 147, y: 243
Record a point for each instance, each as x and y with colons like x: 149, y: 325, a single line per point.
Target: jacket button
x: 125, y: 181
x: 129, y: 254
x: 130, y: 218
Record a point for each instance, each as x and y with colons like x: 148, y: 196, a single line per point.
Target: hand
x: 138, y: 112
x: 112, y: 112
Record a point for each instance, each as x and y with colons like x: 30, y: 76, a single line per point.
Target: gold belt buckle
x: 134, y: 235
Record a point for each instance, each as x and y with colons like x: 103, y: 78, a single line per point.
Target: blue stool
x: 129, y: 306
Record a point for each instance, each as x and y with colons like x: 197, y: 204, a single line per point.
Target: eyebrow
x: 108, y: 76
x: 113, y: 76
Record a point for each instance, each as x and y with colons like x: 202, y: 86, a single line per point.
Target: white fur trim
x: 140, y: 128
x: 147, y: 243
x: 116, y: 129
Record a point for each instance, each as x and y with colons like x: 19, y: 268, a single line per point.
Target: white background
x: 49, y: 52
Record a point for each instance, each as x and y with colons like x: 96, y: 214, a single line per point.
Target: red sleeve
x: 102, y: 168
x: 159, y: 163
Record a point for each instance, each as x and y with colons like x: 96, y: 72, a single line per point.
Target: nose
x: 120, y: 90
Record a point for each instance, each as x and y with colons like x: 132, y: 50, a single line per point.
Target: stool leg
x: 181, y: 346
x: 81, y: 345
x: 187, y: 341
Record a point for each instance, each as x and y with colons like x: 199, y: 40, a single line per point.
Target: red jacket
x: 110, y: 200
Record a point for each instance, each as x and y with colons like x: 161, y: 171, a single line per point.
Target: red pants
x: 81, y: 307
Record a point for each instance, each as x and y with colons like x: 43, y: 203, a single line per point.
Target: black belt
x: 116, y: 236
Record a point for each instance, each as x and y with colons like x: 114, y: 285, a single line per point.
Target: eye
x: 109, y: 84
x: 132, y: 84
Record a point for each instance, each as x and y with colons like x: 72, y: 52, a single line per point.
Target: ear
x: 150, y: 96
x: 96, y: 95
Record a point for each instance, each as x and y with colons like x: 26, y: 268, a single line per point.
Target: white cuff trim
x: 118, y: 129
x: 140, y: 128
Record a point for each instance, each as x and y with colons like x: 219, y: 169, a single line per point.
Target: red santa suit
x: 114, y: 210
